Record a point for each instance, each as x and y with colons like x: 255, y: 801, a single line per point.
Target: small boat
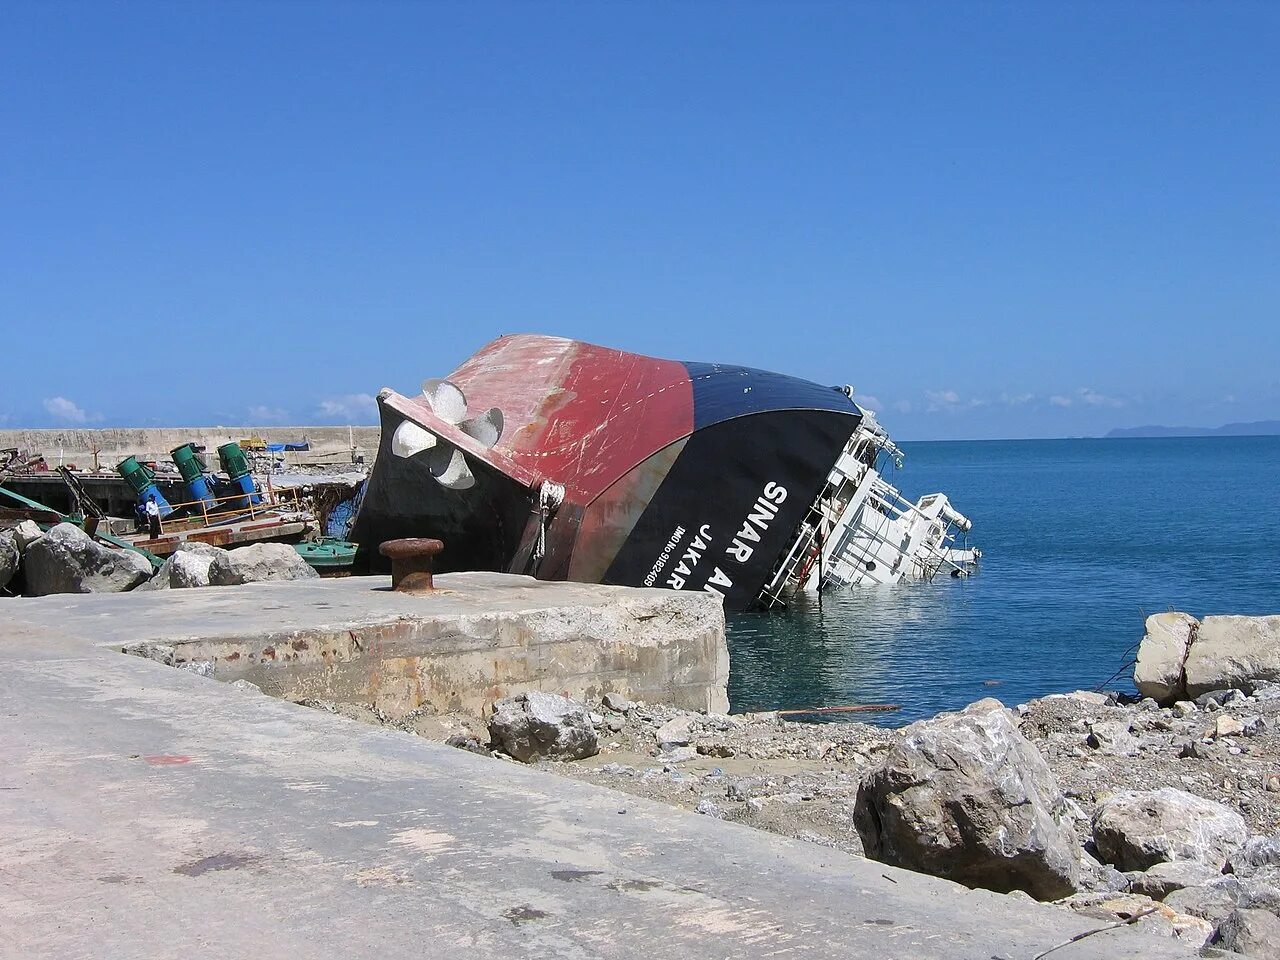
x: 570, y: 461
x: 328, y: 555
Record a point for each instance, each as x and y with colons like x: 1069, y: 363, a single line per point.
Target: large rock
x: 1214, y: 901
x: 1258, y: 855
x: 967, y: 797
x: 14, y: 541
x: 1162, y: 654
x: 1135, y: 830
x: 9, y: 559
x: 22, y: 534
x: 68, y: 560
x: 261, y: 561
x: 677, y: 732
x: 1172, y: 875
x: 1253, y: 933
x: 188, y: 566
x: 1148, y: 915
x: 1232, y: 653
x: 1112, y: 737
x: 542, y: 726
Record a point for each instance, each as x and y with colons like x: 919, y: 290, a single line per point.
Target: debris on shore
x: 1115, y: 807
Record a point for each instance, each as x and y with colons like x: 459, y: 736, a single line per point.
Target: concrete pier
x: 149, y: 812
x: 479, y: 637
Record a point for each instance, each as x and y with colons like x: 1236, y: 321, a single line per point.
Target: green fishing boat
x: 328, y: 555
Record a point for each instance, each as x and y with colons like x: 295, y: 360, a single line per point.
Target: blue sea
x: 1081, y: 540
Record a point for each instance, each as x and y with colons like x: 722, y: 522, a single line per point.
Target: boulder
x: 1225, y: 725
x: 1164, y: 878
x: 1232, y: 653
x: 1259, y: 854
x: 675, y: 733
x: 68, y: 560
x: 542, y: 726
x: 1253, y: 933
x: 1098, y: 877
x: 616, y: 702
x: 1113, y: 738
x: 1214, y: 901
x: 9, y: 560
x: 1135, y: 830
x: 14, y: 541
x: 1217, y: 699
x: 966, y: 796
x: 259, y: 562
x: 23, y: 534
x: 1148, y: 915
x: 1158, y: 674
x: 188, y: 566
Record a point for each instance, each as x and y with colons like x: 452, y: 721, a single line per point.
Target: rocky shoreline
x: 1121, y: 808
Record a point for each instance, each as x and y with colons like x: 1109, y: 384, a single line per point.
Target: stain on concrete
x: 216, y: 862
x: 524, y: 914
x: 574, y: 876
x: 638, y: 886
x: 423, y: 840
x: 167, y: 759
x: 381, y: 877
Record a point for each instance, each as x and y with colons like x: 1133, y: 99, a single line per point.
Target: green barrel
x: 188, y: 462
x: 192, y: 469
x: 142, y: 479
x: 233, y: 461
x: 135, y: 474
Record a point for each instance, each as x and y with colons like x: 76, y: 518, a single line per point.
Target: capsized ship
x: 570, y: 461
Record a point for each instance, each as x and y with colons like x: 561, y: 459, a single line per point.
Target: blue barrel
x: 141, y: 478
x: 250, y: 488
x: 151, y: 490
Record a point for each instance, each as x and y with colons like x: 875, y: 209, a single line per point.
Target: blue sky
x: 995, y: 220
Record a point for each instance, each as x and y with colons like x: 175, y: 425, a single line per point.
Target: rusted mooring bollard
x: 411, y: 563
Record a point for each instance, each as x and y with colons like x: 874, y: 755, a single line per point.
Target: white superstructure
x: 862, y: 531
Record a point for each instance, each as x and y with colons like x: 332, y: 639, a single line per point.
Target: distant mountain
x: 1259, y: 428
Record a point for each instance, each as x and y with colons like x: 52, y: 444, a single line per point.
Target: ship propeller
x: 445, y: 461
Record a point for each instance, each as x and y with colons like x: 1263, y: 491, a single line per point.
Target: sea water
x: 1081, y: 540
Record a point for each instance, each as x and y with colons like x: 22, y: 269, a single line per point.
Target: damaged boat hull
x: 609, y: 466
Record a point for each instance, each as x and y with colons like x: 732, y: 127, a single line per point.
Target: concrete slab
x: 147, y: 812
x: 480, y: 637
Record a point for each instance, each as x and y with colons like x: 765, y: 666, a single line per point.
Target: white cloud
x: 1095, y: 399
x: 869, y: 402
x: 903, y: 406
x: 1060, y: 401
x: 65, y: 411
x: 948, y: 401
x: 263, y: 414
x: 350, y: 408
x: 1017, y: 399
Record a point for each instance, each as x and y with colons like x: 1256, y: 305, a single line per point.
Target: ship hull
x: 610, y: 467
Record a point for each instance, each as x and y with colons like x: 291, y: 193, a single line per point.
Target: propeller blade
x: 445, y: 399
x: 486, y: 428
x: 457, y: 475
x: 410, y: 439
x: 439, y: 458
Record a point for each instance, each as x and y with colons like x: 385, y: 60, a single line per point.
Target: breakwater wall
x: 328, y: 444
